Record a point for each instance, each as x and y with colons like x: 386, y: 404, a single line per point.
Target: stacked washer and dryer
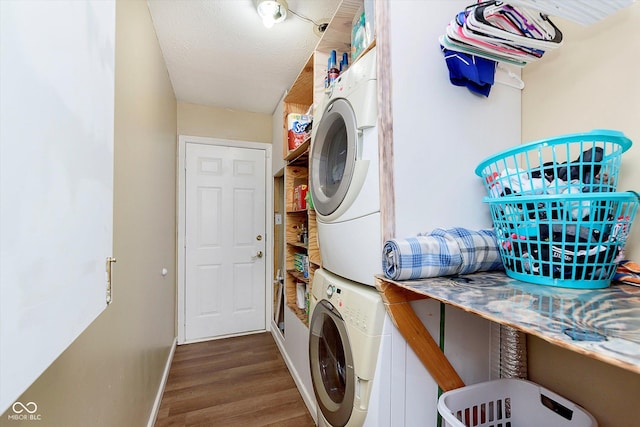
x: 358, y: 359
x: 362, y: 370
x: 348, y: 319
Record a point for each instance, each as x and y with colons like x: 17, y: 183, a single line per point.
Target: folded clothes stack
x: 441, y: 253
x: 628, y: 272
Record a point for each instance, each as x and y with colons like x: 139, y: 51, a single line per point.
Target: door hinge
x: 110, y: 260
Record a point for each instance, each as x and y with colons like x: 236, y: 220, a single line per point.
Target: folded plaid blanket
x: 441, y: 253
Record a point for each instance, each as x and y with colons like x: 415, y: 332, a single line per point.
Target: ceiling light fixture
x: 272, y: 11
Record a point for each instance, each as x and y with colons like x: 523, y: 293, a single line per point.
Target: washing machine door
x: 331, y: 363
x: 333, y: 157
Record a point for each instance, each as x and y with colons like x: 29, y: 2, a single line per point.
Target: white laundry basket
x: 510, y: 403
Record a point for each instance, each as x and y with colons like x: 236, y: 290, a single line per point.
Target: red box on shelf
x: 300, y: 197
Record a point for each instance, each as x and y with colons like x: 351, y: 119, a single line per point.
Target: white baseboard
x: 309, y: 400
x: 221, y: 337
x: 163, y: 383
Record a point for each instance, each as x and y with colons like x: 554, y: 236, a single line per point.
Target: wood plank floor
x: 240, y: 381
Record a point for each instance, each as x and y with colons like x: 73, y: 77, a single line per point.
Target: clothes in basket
x: 628, y: 272
x: 441, y: 252
x: 580, y: 175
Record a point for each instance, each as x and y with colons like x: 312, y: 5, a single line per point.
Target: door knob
x: 259, y: 237
x: 259, y: 254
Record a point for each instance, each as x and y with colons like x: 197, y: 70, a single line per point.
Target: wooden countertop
x: 603, y: 324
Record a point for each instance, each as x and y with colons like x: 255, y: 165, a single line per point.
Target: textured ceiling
x: 218, y: 53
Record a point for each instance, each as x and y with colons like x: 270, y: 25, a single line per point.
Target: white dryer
x: 344, y: 177
x: 349, y: 373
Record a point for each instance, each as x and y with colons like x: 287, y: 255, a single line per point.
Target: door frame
x: 183, y: 140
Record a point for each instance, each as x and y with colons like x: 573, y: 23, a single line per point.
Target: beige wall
x: 110, y: 375
x: 589, y: 82
x: 224, y: 123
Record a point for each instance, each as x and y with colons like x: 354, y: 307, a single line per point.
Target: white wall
x: 57, y: 73
x: 110, y: 375
x: 440, y: 131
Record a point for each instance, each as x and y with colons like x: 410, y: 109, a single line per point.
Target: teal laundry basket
x: 558, y: 218
x: 566, y: 164
x: 571, y: 240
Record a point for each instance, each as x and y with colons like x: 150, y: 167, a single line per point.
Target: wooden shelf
x: 298, y: 275
x: 298, y: 245
x: 297, y: 173
x: 338, y: 34
x: 603, y: 324
x: 294, y: 175
x: 292, y: 278
x: 299, y: 92
x: 301, y: 153
x: 302, y: 314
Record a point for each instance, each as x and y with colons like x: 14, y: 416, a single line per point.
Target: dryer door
x: 333, y: 157
x: 331, y: 363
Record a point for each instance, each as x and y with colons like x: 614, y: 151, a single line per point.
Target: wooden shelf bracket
x: 396, y: 301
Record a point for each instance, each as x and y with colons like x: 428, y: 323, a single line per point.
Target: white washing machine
x: 344, y: 177
x: 349, y: 373
x: 364, y: 373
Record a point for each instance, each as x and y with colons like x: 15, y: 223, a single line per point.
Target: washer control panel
x: 330, y: 290
x: 359, y: 305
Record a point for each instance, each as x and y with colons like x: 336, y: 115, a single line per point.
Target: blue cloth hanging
x: 474, y: 72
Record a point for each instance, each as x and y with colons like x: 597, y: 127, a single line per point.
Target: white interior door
x: 224, y: 241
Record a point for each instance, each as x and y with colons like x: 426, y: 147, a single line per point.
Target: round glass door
x: 333, y: 157
x: 331, y: 364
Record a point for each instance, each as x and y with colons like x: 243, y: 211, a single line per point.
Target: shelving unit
x: 299, y: 100
x: 297, y: 173
x: 306, y: 94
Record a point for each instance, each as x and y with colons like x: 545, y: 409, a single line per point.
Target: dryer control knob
x: 330, y: 290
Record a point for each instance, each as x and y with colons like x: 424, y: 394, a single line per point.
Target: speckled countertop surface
x: 602, y: 323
